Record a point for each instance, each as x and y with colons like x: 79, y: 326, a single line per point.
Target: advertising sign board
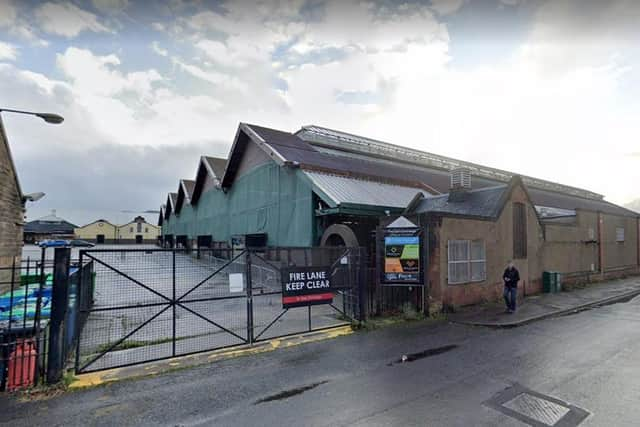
x: 402, y: 256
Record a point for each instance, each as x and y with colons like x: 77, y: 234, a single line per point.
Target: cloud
x: 370, y: 68
x: 110, y: 6
x: 137, y: 107
x: 86, y: 189
x: 16, y: 25
x: 67, y: 20
x: 8, y: 13
x: 446, y: 7
x: 8, y: 52
x: 98, y: 75
x: 88, y: 173
x: 155, y: 46
x: 601, y: 33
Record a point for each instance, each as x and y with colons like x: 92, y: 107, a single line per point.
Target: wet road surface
x: 451, y: 375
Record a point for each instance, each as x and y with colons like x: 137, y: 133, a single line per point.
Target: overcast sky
x: 548, y: 89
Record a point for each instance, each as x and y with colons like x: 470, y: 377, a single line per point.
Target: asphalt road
x: 589, y: 359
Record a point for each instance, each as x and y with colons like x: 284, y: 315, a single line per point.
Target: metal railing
x: 24, y: 311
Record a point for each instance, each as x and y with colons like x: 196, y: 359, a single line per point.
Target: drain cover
x: 542, y: 410
x: 536, y: 409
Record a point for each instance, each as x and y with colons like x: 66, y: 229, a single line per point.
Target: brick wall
x: 11, y: 214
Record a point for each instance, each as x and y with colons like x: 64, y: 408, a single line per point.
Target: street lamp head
x: 47, y: 117
x: 51, y: 118
x: 33, y: 197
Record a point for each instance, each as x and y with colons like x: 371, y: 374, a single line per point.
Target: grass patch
x: 398, y: 319
x: 126, y: 345
x: 46, y: 391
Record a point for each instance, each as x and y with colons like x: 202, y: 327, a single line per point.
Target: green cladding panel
x: 268, y: 199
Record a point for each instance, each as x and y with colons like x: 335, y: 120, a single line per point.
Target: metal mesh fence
x: 154, y: 304
x: 158, y: 303
x: 24, y: 318
x: 272, y: 320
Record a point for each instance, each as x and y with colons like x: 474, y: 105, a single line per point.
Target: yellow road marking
x: 96, y: 378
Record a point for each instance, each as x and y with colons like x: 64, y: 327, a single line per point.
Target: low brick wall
x: 572, y: 280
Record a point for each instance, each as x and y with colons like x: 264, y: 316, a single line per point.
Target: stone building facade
x: 11, y: 213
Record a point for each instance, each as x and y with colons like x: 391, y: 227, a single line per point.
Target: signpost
x: 401, y: 259
x: 306, y: 286
x: 401, y: 254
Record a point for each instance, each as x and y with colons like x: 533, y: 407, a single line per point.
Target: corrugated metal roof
x: 341, y: 189
x: 344, y: 141
x: 339, y: 159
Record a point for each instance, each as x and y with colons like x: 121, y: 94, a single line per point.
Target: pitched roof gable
x: 161, y: 215
x: 185, y: 190
x: 97, y: 220
x: 209, y: 168
x: 278, y: 145
x: 170, y: 205
x: 483, y: 203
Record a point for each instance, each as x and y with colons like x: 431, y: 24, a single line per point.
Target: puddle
x: 289, y: 393
x: 423, y: 354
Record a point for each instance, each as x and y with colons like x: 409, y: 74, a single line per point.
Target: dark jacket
x: 513, y: 275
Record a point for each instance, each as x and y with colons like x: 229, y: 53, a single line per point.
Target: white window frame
x: 469, y: 261
x: 620, y: 234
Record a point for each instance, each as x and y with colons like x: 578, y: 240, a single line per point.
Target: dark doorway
x: 204, y: 241
x: 138, y: 239
x: 335, y: 240
x: 181, y: 241
x: 258, y: 240
x: 100, y: 239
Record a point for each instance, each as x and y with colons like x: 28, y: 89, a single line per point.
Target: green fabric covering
x: 268, y: 199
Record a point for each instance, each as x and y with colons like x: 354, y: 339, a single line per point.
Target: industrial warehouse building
x: 319, y: 186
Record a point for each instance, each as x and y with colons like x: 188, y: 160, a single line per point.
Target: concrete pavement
x: 542, y: 306
x: 458, y: 377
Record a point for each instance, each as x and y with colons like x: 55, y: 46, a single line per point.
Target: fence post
x: 59, y: 302
x: 173, y: 305
x: 362, y: 285
x: 80, y: 295
x: 249, y: 299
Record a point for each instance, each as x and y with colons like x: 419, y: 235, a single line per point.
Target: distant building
x: 99, y: 231
x: 48, y: 227
x: 138, y: 231
x: 11, y: 213
x: 102, y: 231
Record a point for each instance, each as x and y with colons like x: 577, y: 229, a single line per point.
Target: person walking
x: 511, y: 278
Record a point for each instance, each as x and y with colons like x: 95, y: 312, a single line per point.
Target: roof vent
x: 460, y: 184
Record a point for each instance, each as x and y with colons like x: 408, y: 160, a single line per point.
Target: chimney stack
x: 460, y: 184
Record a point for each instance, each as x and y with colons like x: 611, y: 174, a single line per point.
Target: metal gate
x: 152, y: 304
